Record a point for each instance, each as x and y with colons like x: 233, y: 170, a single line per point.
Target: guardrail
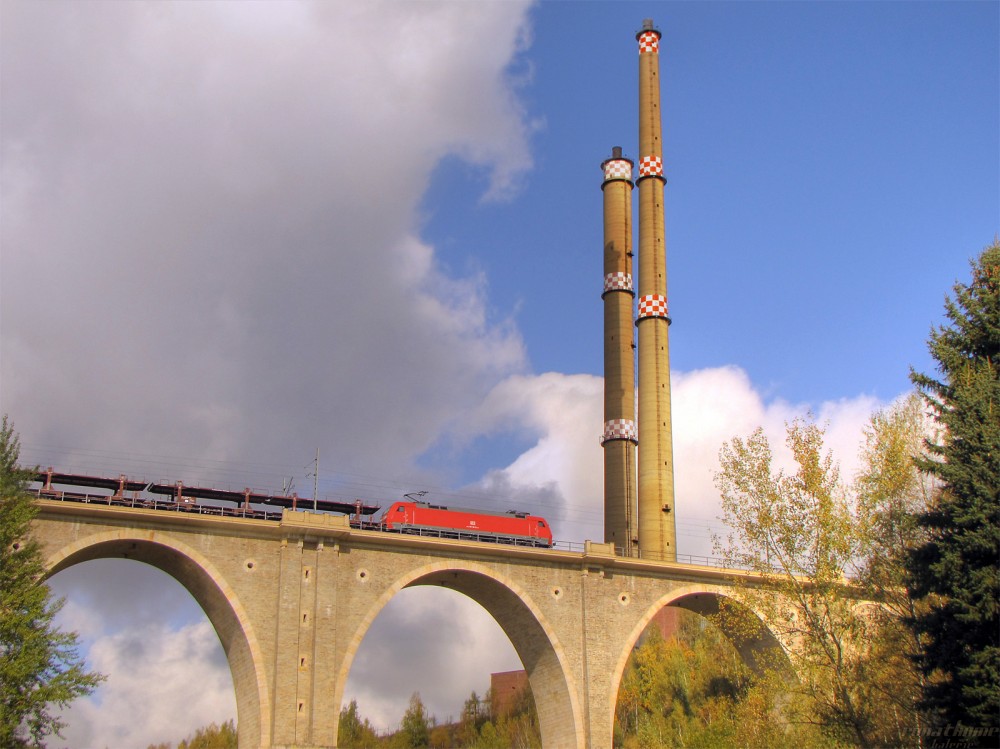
x: 702, y: 561
x: 190, y: 506
x: 143, y: 503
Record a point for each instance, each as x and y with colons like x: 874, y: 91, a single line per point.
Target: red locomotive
x: 509, y: 527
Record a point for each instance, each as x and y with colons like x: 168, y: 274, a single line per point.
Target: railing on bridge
x: 190, y: 505
x: 147, y: 503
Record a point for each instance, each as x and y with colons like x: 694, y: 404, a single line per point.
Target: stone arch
x: 560, y: 714
x: 706, y: 602
x: 215, y: 596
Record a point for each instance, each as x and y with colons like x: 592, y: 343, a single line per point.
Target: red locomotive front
x: 454, y: 522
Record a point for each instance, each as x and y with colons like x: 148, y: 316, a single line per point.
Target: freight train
x: 413, y: 516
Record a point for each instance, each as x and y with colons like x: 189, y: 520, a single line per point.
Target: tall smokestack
x: 620, y: 436
x: 657, y: 534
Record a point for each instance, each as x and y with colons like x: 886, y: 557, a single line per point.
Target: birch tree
x: 827, y: 555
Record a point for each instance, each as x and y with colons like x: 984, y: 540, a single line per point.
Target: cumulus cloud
x: 191, y: 688
x: 209, y: 225
x: 147, y: 634
x: 710, y: 406
x: 560, y: 476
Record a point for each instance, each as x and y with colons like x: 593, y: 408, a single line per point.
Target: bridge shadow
x: 530, y: 634
x: 209, y: 589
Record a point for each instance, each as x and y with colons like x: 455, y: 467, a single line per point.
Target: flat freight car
x: 510, y: 527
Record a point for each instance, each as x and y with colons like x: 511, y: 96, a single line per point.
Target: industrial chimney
x: 620, y: 436
x: 656, y: 528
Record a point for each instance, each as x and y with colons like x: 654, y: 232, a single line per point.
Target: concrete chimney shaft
x: 619, y: 438
x: 656, y: 527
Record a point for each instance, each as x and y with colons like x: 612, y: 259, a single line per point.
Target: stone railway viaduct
x: 291, y: 602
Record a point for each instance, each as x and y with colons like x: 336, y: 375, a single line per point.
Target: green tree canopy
x: 39, y: 665
x: 416, y: 729
x: 957, y: 570
x: 355, y: 732
x: 213, y: 736
x: 692, y: 689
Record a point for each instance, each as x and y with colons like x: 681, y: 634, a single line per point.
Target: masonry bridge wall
x: 292, y: 602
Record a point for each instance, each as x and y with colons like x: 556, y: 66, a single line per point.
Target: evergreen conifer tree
x: 39, y: 666
x: 957, y: 569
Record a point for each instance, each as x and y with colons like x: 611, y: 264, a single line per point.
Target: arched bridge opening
x: 560, y: 714
x: 749, y: 634
x: 722, y: 624
x: 210, y: 590
x: 140, y: 628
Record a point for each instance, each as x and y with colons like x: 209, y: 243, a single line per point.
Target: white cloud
x: 210, y: 255
x: 713, y: 406
x: 560, y: 476
x: 212, y: 225
x: 191, y: 688
x: 563, y: 414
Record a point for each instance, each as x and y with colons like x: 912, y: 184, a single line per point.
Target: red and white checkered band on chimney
x: 652, y: 305
x: 651, y: 166
x: 620, y: 429
x: 619, y: 281
x: 617, y: 169
x: 649, y: 42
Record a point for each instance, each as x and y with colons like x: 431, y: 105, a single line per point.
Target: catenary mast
x: 656, y: 529
x: 620, y: 436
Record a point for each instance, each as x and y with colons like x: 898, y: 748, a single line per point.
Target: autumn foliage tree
x: 889, y: 495
x: 822, y: 548
x: 692, y: 688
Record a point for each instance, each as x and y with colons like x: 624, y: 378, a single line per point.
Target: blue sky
x: 263, y: 229
x: 831, y: 167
